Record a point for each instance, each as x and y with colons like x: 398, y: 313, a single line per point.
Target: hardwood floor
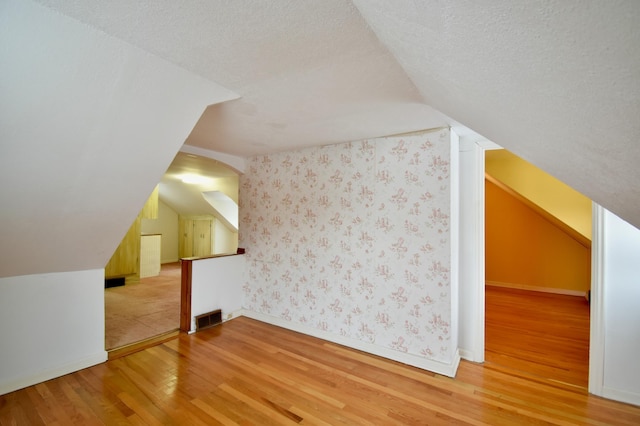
x: 540, y: 334
x: 247, y: 372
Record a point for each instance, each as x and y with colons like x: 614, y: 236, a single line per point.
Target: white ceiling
x: 308, y: 72
x: 557, y: 82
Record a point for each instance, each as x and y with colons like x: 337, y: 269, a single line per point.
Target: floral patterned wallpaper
x: 353, y: 239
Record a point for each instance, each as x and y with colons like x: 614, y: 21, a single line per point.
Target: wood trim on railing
x: 211, y: 256
x: 185, y: 295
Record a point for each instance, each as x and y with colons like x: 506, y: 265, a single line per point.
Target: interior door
x: 186, y: 238
x: 201, y: 237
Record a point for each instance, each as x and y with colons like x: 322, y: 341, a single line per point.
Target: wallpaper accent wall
x: 353, y: 239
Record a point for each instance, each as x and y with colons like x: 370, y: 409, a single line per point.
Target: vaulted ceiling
x: 557, y: 82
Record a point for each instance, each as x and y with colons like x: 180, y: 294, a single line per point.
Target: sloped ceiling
x: 88, y: 125
x: 555, y: 82
x: 187, y: 198
x: 308, y: 72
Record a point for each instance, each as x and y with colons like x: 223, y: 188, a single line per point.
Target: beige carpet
x: 138, y: 311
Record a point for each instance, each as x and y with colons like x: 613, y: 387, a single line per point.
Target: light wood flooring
x: 144, y: 309
x: 539, y: 334
x: 245, y: 372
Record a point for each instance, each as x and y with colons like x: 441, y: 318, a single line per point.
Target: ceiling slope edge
x: 235, y: 162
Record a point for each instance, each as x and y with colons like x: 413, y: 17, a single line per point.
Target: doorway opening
x: 537, y: 274
x: 143, y: 309
x: 147, y: 306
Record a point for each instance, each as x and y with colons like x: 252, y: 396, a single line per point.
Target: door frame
x: 472, y: 267
x: 473, y: 347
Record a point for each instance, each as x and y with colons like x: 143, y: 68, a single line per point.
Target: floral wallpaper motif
x: 353, y: 239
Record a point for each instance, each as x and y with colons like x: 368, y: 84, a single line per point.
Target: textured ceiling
x: 309, y: 72
x: 557, y: 82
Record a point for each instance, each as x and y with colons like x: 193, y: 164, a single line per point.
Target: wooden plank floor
x: 540, y: 334
x: 249, y: 373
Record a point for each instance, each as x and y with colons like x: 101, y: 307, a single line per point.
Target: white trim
x: 597, y: 335
x: 618, y: 395
x: 468, y: 355
x: 477, y: 352
x: 538, y: 289
x: 233, y: 314
x: 480, y: 260
x: 238, y: 163
x: 487, y: 145
x: 448, y: 370
x: 43, y: 376
x: 454, y: 239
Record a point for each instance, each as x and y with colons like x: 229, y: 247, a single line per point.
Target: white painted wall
x: 88, y: 125
x: 216, y: 283
x: 621, y: 309
x: 226, y: 241
x: 50, y: 325
x: 167, y: 225
x: 226, y: 208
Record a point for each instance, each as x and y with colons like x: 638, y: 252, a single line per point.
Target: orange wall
x: 523, y: 248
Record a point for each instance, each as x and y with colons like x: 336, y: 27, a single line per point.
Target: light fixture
x: 194, y: 179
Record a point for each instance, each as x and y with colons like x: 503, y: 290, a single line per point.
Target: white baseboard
x: 413, y: 360
x: 233, y: 314
x: 621, y: 396
x: 539, y: 289
x: 470, y: 356
x: 53, y: 373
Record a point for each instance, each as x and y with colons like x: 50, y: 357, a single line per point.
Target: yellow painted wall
x: 524, y: 249
x: 228, y: 186
x: 549, y: 193
x: 167, y: 225
x: 125, y: 261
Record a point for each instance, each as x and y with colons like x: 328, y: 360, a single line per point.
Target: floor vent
x: 208, y: 320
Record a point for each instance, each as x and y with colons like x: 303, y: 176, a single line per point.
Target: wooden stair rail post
x: 185, y: 295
